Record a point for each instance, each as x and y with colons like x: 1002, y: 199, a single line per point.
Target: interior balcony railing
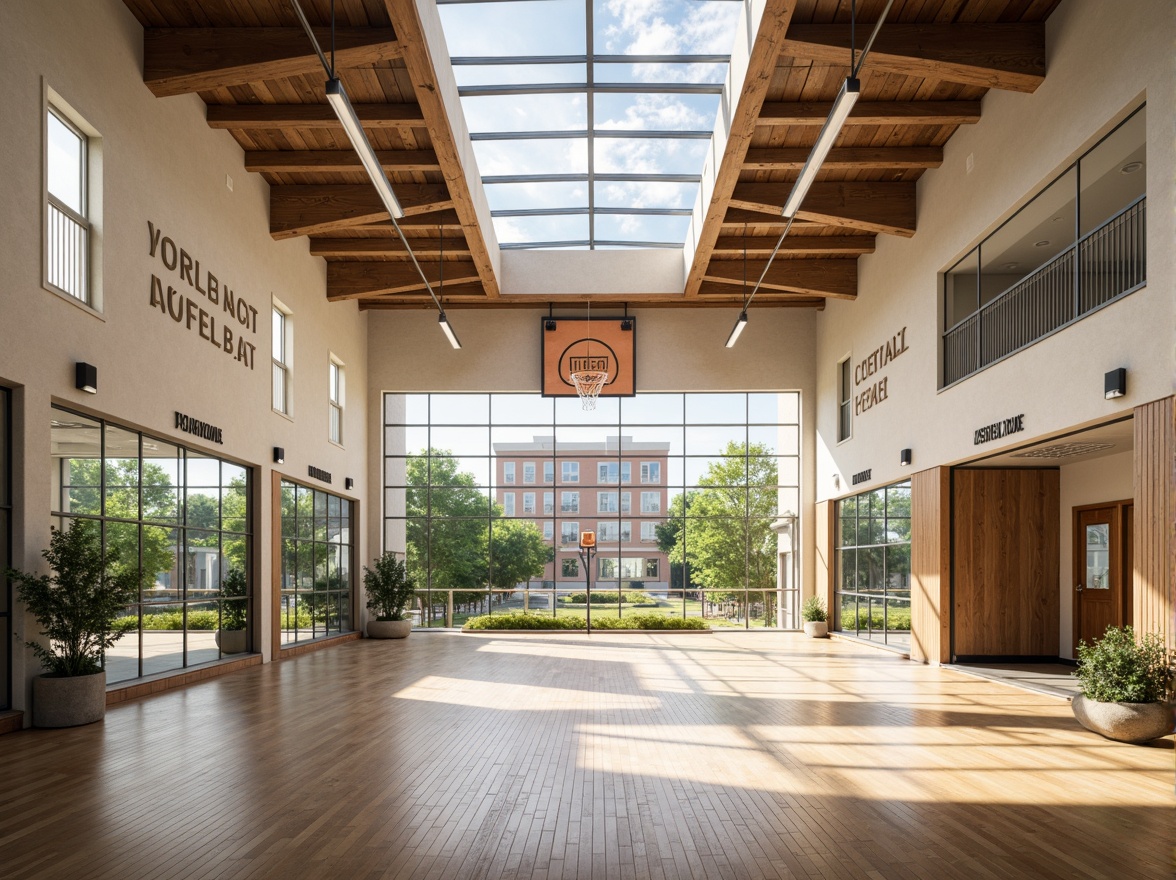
x: 1103, y: 265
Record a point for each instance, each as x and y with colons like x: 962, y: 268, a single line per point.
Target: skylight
x: 590, y: 118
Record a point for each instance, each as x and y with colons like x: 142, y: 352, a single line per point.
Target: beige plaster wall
x: 163, y: 164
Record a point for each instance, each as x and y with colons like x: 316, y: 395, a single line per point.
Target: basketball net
x: 589, y: 383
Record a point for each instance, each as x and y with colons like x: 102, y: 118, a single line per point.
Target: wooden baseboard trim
x: 135, y: 690
x: 10, y: 722
x: 318, y: 645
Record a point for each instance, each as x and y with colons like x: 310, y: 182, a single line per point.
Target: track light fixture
x: 846, y: 98
x: 737, y: 329
x: 448, y: 331
x: 339, y: 102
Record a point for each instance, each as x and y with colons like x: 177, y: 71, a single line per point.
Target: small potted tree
x: 1126, y: 685
x: 389, y: 590
x: 815, y: 618
x: 230, y: 638
x: 76, y: 607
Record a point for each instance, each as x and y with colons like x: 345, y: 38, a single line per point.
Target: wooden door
x: 1098, y: 571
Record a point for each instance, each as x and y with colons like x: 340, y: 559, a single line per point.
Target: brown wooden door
x: 1098, y: 571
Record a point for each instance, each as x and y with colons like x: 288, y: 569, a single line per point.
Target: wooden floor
x: 624, y: 756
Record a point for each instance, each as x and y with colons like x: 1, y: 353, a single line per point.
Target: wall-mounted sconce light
x: 904, y: 457
x: 279, y: 455
x: 86, y: 377
x: 1114, y: 383
x: 348, y: 483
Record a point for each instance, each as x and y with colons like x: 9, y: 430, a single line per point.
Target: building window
x: 606, y: 568
x: 283, y: 357
x: 569, y: 502
x: 180, y: 518
x: 569, y: 533
x: 316, y: 564
x: 548, y: 503
x: 70, y: 197
x: 873, y: 586
x: 549, y: 472
x: 844, y: 400
x: 608, y: 532
x: 606, y: 502
x: 508, y: 503
x: 608, y: 472
x: 528, y: 503
x: 648, y: 533
x: 570, y: 568
x: 651, y: 472
x: 548, y: 530
x: 626, y: 502
x: 335, y: 377
x: 570, y: 472
x: 1077, y: 245
x: 508, y: 473
x: 651, y: 502
x: 528, y: 472
x: 651, y: 569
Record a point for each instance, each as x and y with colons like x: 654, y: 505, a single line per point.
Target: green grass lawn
x: 651, y: 605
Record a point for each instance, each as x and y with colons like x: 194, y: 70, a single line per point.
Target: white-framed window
x: 570, y: 567
x: 606, y: 568
x: 529, y: 503
x: 569, y: 472
x: 844, y: 398
x: 633, y: 569
x: 651, y: 502
x: 608, y: 531
x: 548, y: 503
x: 73, y: 198
x: 282, y: 327
x: 651, y: 472
x: 626, y: 502
x: 549, y: 472
x: 569, y: 533
x: 548, y: 530
x: 508, y: 472
x: 508, y: 503
x: 569, y: 502
x: 606, y: 502
x: 335, y: 407
x: 614, y: 471
x: 528, y: 472
x: 649, y: 533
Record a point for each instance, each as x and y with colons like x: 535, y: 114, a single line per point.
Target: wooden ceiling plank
x: 811, y: 245
x: 875, y: 206
x: 279, y: 116
x: 323, y: 161
x: 793, y: 158
x: 1005, y: 55
x: 836, y: 279
x: 305, y: 209
x: 355, y: 279
x: 177, y: 61
x: 384, y: 247
x: 781, y: 113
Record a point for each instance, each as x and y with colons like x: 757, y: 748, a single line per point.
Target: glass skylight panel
x: 515, y: 196
x: 641, y: 227
x: 699, y: 73
x: 526, y: 27
x: 678, y: 27
x: 649, y: 155
x: 656, y: 112
x: 644, y: 194
x: 530, y: 156
x: 514, y: 74
x: 525, y: 113
x: 554, y: 228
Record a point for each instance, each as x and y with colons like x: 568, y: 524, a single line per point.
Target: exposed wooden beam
x: 386, y: 247
x: 421, y: 67
x: 352, y: 280
x: 1005, y: 55
x: 810, y: 245
x: 830, y: 278
x: 302, y: 210
x: 177, y: 61
x: 446, y: 219
x: 793, y: 158
x: 873, y: 113
x: 716, y: 293
x: 284, y: 161
x: 711, y: 296
x: 887, y: 206
x: 744, y: 116
x: 271, y: 116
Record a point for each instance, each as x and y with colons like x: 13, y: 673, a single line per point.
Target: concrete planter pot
x: 389, y: 629
x: 231, y: 641
x: 1125, y: 722
x: 816, y: 629
x: 69, y: 701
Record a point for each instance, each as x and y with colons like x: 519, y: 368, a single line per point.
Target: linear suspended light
x: 448, y: 330
x: 737, y: 329
x: 337, y: 98
x: 846, y: 98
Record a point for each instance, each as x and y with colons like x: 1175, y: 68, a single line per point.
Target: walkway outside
x: 735, y: 755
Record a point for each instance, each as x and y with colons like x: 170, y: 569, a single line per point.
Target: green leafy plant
x: 523, y: 620
x: 813, y: 610
x: 650, y: 621
x: 388, y: 586
x: 77, y: 604
x: 1119, y: 669
x: 233, y: 589
x: 609, y: 597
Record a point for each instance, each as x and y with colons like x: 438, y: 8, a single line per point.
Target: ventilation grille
x: 1064, y: 450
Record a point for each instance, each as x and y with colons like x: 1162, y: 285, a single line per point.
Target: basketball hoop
x: 588, y: 385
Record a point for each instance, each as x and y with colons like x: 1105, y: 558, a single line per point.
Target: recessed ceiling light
x: 1011, y: 265
x: 1130, y: 167
x: 1043, y: 243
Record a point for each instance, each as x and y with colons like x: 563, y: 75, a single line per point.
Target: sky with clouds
x: 620, y: 27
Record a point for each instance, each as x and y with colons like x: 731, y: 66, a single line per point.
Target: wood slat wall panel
x: 931, y: 566
x: 1153, y: 578
x: 1005, y: 530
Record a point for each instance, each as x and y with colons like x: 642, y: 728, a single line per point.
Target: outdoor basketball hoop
x: 588, y: 385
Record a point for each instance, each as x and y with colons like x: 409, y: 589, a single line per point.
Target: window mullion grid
x: 590, y: 79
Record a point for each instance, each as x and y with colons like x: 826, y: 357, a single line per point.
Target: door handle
x: 1079, y: 588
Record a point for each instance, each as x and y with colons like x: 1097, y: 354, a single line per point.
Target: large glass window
x: 317, y: 560
x: 178, y: 516
x: 281, y: 333
x: 335, y: 413
x: 68, y: 206
x: 873, y: 594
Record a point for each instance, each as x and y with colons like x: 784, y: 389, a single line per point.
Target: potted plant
x: 75, y: 607
x: 230, y: 638
x: 815, y: 618
x: 1126, y: 684
x: 389, y: 590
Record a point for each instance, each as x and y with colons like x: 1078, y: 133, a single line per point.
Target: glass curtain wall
x: 181, y: 518
x: 316, y: 564
x: 692, y: 497
x: 5, y: 548
x: 874, y: 565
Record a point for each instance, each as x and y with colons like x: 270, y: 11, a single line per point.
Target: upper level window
x: 570, y: 472
x: 549, y: 472
x: 282, y: 330
x: 508, y: 504
x: 651, y: 502
x: 844, y: 398
x: 529, y: 503
x: 650, y: 472
x: 1077, y: 245
x: 548, y: 503
x: 614, y: 471
x: 68, y: 227
x: 508, y: 472
x: 335, y: 430
x: 569, y: 502
x: 528, y: 472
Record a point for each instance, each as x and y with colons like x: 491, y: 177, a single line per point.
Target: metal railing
x: 67, y: 254
x: 1104, y: 264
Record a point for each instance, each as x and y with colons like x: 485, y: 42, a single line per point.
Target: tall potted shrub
x: 230, y: 638
x: 1126, y: 687
x: 815, y: 619
x: 76, y: 607
x: 389, y: 590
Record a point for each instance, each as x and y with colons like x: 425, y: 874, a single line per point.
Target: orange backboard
x: 572, y: 344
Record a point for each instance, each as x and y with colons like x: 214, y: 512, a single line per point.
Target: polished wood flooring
x: 746, y: 755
